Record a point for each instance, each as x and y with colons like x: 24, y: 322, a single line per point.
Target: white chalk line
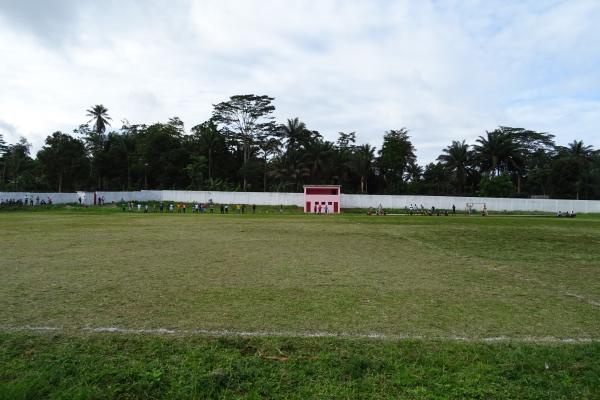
x: 583, y: 298
x: 305, y: 335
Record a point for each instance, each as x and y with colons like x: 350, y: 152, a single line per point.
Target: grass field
x: 480, y: 307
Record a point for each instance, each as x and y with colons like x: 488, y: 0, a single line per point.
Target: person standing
x: 453, y: 209
x: 326, y: 209
x: 253, y: 208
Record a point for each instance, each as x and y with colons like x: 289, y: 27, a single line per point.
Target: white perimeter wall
x: 297, y: 199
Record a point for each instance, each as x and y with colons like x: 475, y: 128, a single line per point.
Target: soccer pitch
x: 468, y: 280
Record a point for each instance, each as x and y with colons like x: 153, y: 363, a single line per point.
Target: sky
x: 445, y: 70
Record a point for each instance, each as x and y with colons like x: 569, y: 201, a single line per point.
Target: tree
x: 396, y: 153
x: 95, y: 140
x: 268, y: 146
x: 244, y: 118
x: 414, y: 172
x: 317, y: 158
x: 18, y: 165
x: 435, y: 179
x: 294, y: 134
x: 342, y: 158
x: 100, y: 117
x: 210, y: 140
x: 363, y: 159
x: 2, y: 145
x: 456, y: 160
x: 501, y: 152
x: 493, y: 150
x: 195, y: 171
x: 3, y: 149
x: 63, y: 160
x: 162, y: 158
x: 496, y: 186
x: 581, y: 156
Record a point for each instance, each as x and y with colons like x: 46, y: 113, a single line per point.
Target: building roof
x: 323, y: 186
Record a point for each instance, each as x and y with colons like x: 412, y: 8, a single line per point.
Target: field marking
x: 305, y: 335
x: 582, y: 298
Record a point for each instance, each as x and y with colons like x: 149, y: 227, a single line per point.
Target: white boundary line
x: 283, y: 334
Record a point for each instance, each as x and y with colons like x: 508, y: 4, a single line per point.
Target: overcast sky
x: 443, y: 69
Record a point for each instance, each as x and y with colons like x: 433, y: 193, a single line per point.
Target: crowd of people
x: 566, y: 214
x: 27, y: 201
x: 182, y: 207
x: 414, y: 209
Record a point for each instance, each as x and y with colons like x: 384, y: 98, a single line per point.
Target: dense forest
x: 243, y: 148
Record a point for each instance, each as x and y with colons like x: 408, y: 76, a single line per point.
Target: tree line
x: 242, y: 148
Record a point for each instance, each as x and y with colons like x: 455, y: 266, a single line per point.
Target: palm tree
x: 362, y: 164
x: 500, y: 152
x: 294, y: 133
x: 579, y: 151
x: 413, y: 172
x: 491, y: 151
x: 582, y: 156
x: 99, y: 115
x: 456, y: 159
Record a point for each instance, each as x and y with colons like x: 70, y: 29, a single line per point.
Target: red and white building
x: 322, y: 199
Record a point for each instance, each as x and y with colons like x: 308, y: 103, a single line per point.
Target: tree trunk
x: 128, y: 177
x: 265, y: 175
x: 210, y: 164
x: 60, y: 178
x: 245, y: 163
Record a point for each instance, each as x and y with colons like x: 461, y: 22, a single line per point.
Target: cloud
x: 445, y: 70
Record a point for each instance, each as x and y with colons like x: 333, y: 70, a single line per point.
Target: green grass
x: 116, y: 366
x: 431, y: 277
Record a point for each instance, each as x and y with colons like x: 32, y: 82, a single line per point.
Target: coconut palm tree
x: 414, y: 172
x: 99, y: 115
x: 500, y: 151
x: 581, y: 155
x: 294, y: 133
x: 491, y: 151
x: 579, y: 151
x: 456, y: 159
